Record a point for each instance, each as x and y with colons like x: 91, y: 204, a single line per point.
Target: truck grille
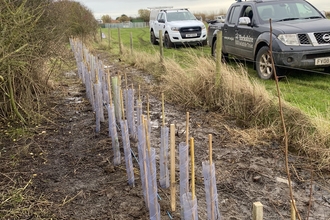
x: 303, y: 39
x: 190, y: 32
x: 323, y: 37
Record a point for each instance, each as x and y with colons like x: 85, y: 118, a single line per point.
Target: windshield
x: 180, y: 16
x: 284, y: 11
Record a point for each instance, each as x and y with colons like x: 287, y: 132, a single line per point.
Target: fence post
x: 218, y: 57
x: 161, y: 48
x: 257, y: 211
x: 109, y: 36
x: 119, y: 42
x: 131, y: 43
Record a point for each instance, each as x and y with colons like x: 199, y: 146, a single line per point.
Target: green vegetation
x: 306, y: 90
x: 187, y: 76
x: 141, y: 42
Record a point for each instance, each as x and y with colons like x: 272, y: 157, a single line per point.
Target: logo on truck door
x: 244, y: 40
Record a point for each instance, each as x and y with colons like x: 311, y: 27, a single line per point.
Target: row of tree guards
x: 105, y: 92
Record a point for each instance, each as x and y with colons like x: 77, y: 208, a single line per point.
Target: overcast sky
x: 116, y: 8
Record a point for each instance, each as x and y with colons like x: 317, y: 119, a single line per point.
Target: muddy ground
x: 65, y: 170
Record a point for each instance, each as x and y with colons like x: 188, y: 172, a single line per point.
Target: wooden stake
x: 210, y: 148
x: 109, y: 88
x: 145, y: 168
x: 148, y: 112
x: 131, y: 43
x: 161, y: 48
x: 139, y: 93
x: 122, y: 104
x: 192, y: 155
x: 211, y: 177
x: 172, y: 154
x: 258, y: 211
x: 163, y: 109
x: 126, y: 86
x: 119, y: 42
x: 293, y: 211
x: 187, y: 129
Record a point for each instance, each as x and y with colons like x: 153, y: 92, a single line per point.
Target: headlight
x: 203, y: 27
x: 289, y: 39
x: 174, y: 28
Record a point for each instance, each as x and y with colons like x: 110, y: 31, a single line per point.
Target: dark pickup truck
x: 300, y: 35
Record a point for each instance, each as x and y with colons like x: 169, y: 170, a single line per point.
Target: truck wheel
x: 167, y: 42
x: 264, y: 64
x: 153, y: 38
x: 224, y: 57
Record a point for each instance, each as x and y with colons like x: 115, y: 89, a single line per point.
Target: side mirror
x: 161, y: 21
x: 244, y: 21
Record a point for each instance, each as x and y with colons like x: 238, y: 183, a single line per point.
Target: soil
x: 68, y: 168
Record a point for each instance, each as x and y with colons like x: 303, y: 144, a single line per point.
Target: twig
x: 19, y: 190
x: 66, y: 202
x: 8, y: 177
x: 283, y: 124
x: 295, y: 171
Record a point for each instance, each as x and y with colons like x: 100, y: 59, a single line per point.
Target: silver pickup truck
x: 300, y: 35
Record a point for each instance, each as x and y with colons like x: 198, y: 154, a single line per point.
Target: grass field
x: 310, y: 91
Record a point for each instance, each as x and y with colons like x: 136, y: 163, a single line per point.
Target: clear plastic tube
x: 152, y: 182
x: 116, y: 97
x: 101, y: 89
x: 127, y: 152
x: 139, y: 111
x: 142, y: 163
x: 164, y: 179
x: 130, y: 112
x: 114, y: 135
x: 189, y: 207
x: 97, y: 88
x: 213, y: 212
x: 184, y: 170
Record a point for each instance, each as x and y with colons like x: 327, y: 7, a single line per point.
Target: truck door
x: 244, y: 38
x: 159, y: 24
x: 229, y: 30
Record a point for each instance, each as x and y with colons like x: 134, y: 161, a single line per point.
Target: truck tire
x: 153, y: 38
x: 167, y: 42
x: 224, y: 57
x: 264, y: 65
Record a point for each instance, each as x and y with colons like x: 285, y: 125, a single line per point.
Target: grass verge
x: 236, y: 95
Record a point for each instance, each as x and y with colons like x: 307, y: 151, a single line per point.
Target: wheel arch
x: 258, y: 47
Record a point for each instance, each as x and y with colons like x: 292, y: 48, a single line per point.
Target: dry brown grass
x: 238, y: 96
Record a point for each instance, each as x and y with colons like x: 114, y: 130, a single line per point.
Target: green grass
x: 141, y: 42
x: 307, y: 90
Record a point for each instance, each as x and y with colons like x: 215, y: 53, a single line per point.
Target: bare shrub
x: 34, y: 37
